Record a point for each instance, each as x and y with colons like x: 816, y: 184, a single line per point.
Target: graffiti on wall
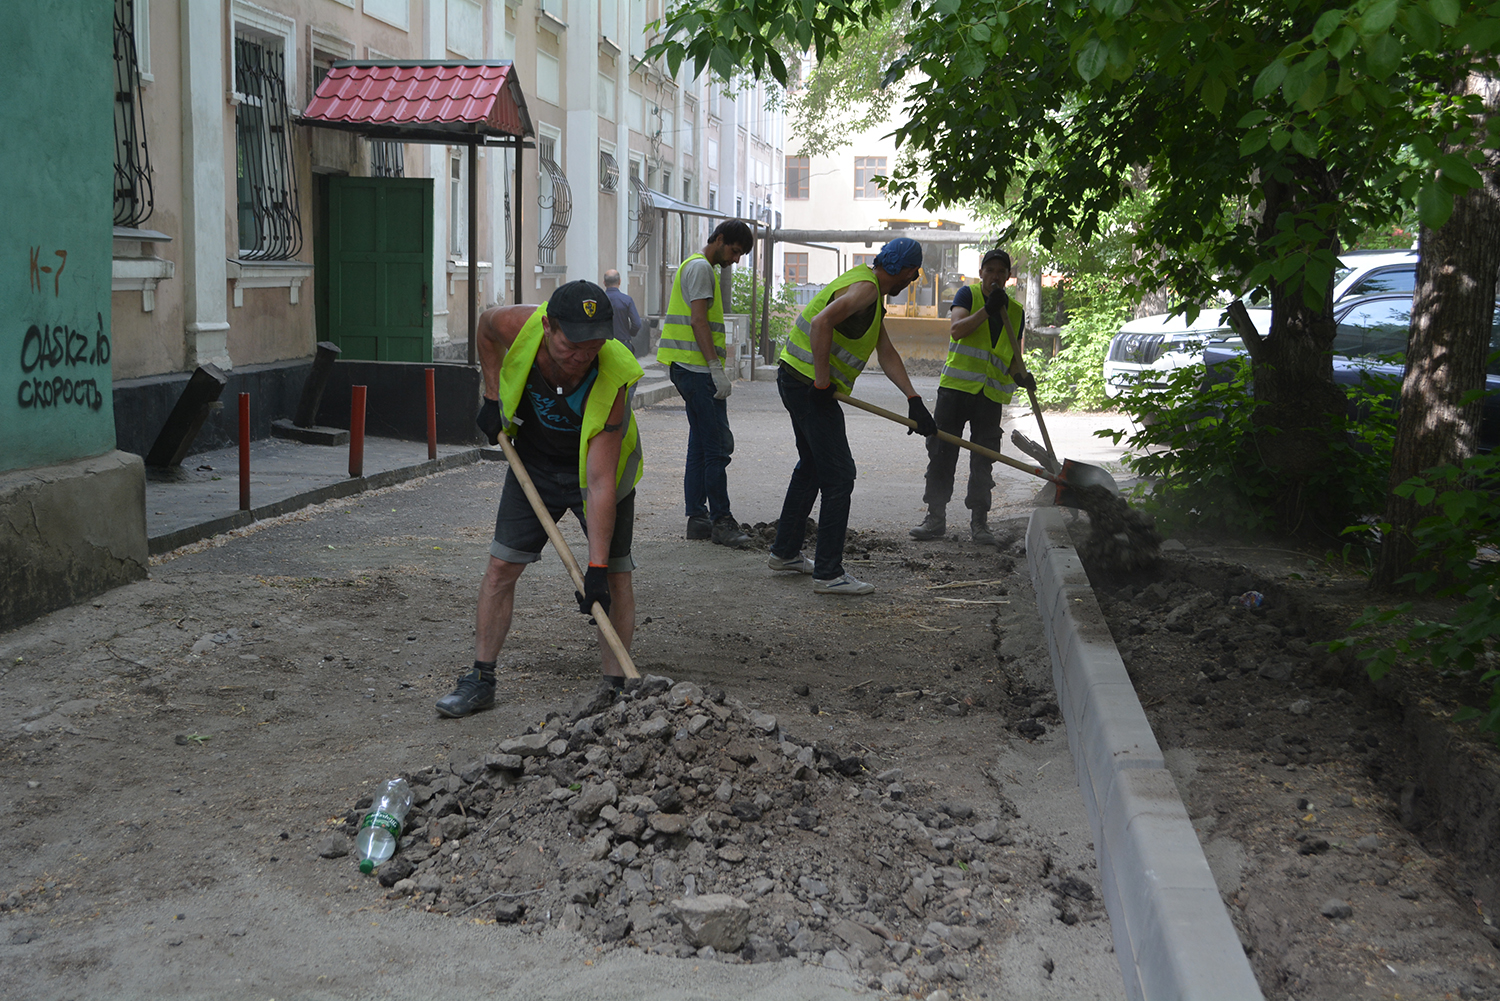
x: 57, y: 359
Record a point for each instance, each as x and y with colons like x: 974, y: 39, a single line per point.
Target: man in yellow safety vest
x: 692, y: 348
x: 824, y: 354
x: 984, y: 366
x: 557, y: 382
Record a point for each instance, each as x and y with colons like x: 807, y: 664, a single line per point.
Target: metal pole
x: 754, y: 289
x: 357, y: 431
x: 431, y: 415
x: 473, y: 251
x: 244, y: 451
x: 765, y: 313
x: 515, y: 204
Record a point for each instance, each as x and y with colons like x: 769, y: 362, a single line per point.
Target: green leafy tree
x: 1273, y: 134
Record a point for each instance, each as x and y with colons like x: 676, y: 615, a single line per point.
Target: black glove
x: 917, y: 411
x: 997, y: 303
x: 489, y: 420
x: 820, y: 396
x: 595, y: 588
x: 1025, y: 380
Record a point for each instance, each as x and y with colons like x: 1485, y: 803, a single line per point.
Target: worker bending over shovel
x: 556, y: 381
x: 983, y: 368
x: 824, y: 354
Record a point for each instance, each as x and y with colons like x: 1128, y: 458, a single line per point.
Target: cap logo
x: 589, y: 307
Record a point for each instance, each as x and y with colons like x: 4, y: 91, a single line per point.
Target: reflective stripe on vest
x: 846, y: 356
x: 975, y: 364
x: 617, y: 369
x: 677, y: 341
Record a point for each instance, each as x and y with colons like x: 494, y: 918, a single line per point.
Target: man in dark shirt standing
x: 627, y: 317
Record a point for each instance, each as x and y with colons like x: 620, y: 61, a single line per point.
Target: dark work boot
x: 727, y: 532
x: 979, y: 530
x: 934, y: 526
x: 699, y: 527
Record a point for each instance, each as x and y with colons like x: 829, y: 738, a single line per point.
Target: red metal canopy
x: 422, y: 101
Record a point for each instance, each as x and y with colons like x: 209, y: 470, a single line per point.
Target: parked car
x: 1371, y: 340
x: 1145, y: 351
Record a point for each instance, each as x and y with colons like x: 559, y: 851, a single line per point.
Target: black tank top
x: 551, y: 422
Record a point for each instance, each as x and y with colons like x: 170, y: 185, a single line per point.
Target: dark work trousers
x: 705, y: 478
x: 954, y: 409
x: 824, y: 465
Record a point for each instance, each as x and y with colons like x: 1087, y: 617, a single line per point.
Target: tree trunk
x: 1451, y: 318
x: 1293, y: 369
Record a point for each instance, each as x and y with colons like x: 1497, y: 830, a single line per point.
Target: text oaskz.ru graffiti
x: 53, y: 347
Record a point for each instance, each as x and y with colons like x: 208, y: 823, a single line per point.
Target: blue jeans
x: 824, y: 465
x: 705, y: 479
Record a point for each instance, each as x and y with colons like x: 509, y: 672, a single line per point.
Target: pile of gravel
x: 685, y: 823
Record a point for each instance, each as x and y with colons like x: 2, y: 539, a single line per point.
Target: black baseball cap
x: 582, y: 311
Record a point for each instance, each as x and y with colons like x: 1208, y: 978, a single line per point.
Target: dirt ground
x: 181, y: 754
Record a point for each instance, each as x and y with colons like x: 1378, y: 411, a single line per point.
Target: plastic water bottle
x: 376, y: 841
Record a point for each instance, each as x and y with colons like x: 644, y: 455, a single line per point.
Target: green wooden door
x: 380, y: 267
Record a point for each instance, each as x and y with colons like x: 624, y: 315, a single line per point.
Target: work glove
x: 917, y: 411
x: 489, y: 420
x: 595, y: 588
x: 1025, y: 380
x: 722, y: 386
x: 997, y: 303
x: 818, y: 397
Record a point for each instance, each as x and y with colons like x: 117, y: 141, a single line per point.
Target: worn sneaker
x: 727, y: 532
x: 699, y: 527
x: 472, y: 694
x: 979, y: 531
x: 934, y: 526
x: 799, y: 563
x: 842, y: 585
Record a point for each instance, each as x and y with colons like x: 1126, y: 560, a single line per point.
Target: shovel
x: 606, y: 627
x: 1036, y: 408
x: 1073, y: 478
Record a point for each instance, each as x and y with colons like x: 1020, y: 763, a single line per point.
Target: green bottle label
x: 389, y: 821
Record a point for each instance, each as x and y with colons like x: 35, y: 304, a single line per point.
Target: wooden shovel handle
x: 606, y: 627
x: 1036, y: 408
x: 952, y: 439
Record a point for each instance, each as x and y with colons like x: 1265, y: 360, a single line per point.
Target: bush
x: 783, y: 310
x: 1456, y: 549
x: 1075, y: 378
x: 1197, y: 443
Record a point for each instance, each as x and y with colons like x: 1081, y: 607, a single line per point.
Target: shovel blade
x: 1077, y: 477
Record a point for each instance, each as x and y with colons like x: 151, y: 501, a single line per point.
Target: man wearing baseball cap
x: 983, y: 369
x: 824, y: 354
x: 557, y: 382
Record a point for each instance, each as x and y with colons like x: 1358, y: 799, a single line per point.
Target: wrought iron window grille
x: 387, y: 159
x: 134, y: 198
x: 558, y: 201
x: 609, y: 172
x: 270, y: 219
x: 644, y: 218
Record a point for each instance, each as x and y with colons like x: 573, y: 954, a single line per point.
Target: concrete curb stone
x: 1171, y: 932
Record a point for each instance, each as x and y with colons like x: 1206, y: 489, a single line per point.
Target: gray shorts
x: 520, y: 537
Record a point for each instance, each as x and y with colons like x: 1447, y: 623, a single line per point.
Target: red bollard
x: 357, y: 432
x: 244, y: 451
x: 431, y: 416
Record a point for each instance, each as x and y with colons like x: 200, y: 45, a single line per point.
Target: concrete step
x: 649, y: 392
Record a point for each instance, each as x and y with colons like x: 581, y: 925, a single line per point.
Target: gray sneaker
x: 842, y: 585
x: 471, y: 695
x: 799, y: 563
x: 934, y: 526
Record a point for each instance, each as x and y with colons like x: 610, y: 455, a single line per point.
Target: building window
x: 134, y: 200
x: 642, y: 212
x: 713, y: 197
x: 796, y: 268
x: 606, y: 96
x: 668, y: 126
x: 554, y: 199
x: 387, y: 159
x: 609, y: 169
x: 270, y: 221
x: 866, y: 169
x: 458, y: 216
x: 797, y: 173
x: 548, y: 78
